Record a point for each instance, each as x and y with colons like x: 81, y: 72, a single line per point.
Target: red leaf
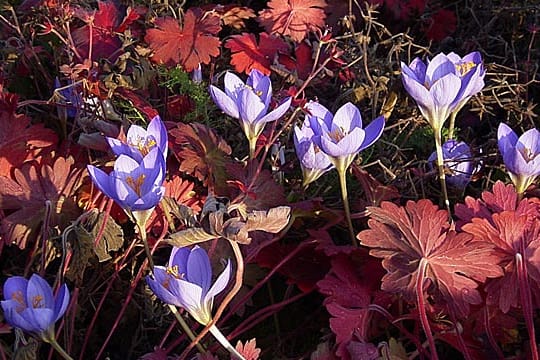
x: 441, y: 24
x: 203, y: 154
x: 248, y: 55
x: 420, y: 231
x: 19, y: 140
x: 105, y: 23
x: 512, y: 233
x: 294, y: 18
x: 190, y: 45
x: 25, y: 195
x: 249, y: 350
x: 346, y: 324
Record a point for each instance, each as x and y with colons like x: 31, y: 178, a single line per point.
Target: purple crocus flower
x: 31, y: 306
x: 186, y: 282
x: 140, y: 141
x: 444, y: 84
x: 313, y: 161
x: 458, y: 164
x: 135, y: 186
x: 341, y: 136
x: 520, y: 155
x: 249, y: 102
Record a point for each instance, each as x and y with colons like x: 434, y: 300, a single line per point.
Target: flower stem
x: 58, y: 348
x: 422, y: 307
x: 343, y: 184
x: 185, y: 327
x: 526, y: 302
x: 440, y: 166
x: 226, y: 344
x: 252, y: 147
x: 141, y: 217
x: 452, y: 124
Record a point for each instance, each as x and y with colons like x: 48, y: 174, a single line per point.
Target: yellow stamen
x: 144, y: 145
x: 465, y: 67
x: 136, y: 184
x: 37, y: 301
x: 527, y: 154
x: 337, y: 134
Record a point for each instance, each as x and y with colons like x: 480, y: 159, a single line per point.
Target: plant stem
x: 526, y: 303
x: 225, y: 343
x: 141, y: 217
x: 422, y: 307
x: 440, y: 166
x: 343, y: 184
x: 452, y: 124
x: 58, y: 348
x: 252, y: 147
x: 185, y: 327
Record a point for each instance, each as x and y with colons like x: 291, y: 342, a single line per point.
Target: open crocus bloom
x: 444, y: 84
x: 139, y: 141
x: 342, y: 136
x: 31, y: 306
x: 458, y: 164
x: 520, y: 155
x: 187, y: 282
x: 134, y: 186
x: 249, y: 102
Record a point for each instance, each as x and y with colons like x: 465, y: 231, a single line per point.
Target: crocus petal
x: 348, y: 145
x: 179, y: 257
x: 39, y: 293
x: 136, y: 134
x: 61, y: 302
x: 224, y: 102
x: 277, y: 112
x: 445, y: 90
x: 15, y: 288
x: 440, y: 66
x: 319, y: 111
x: 347, y: 117
x: 199, y: 270
x: 158, y: 130
x: 261, y: 84
x: 418, y: 92
x: 416, y: 70
x: 11, y: 310
x: 125, y: 165
x: 373, y: 132
x: 118, y: 147
x: 40, y: 318
x: 102, y: 181
x: 220, y: 283
x: 233, y: 84
x: 507, y: 139
x: 160, y: 284
x: 251, y: 106
x: 189, y: 295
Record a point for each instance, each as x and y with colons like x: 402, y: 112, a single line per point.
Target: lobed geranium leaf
x: 272, y: 221
x: 189, y: 45
x: 456, y: 262
x: 249, y: 350
x: 190, y: 236
x: 247, y: 54
x: 203, y: 154
x: 294, y: 18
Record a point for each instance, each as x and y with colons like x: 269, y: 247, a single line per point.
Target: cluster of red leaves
x: 189, y: 45
x: 247, y: 54
x: 102, y: 29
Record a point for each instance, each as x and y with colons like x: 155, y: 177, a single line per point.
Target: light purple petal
x: 15, y: 288
x: 102, y: 181
x: 232, y: 85
x: 277, y: 112
x: 61, y: 302
x: 224, y: 102
x: 251, y: 106
x: 347, y: 117
x: 348, y: 145
x: 319, y: 111
x: 199, y: 270
x: 444, y: 91
x: 189, y: 295
x: 262, y: 85
x: 507, y: 139
x: 11, y: 314
x: 418, y: 92
x: 40, y: 318
x: 160, y: 285
x: 39, y: 293
x: 179, y: 257
x: 440, y: 66
x: 125, y: 164
x: 157, y: 129
x: 373, y: 132
x: 221, y: 282
x: 416, y: 70
x: 118, y: 148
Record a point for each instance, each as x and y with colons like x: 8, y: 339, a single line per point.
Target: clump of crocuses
x: 444, y: 84
x: 458, y: 163
x: 136, y: 183
x: 31, y: 306
x: 249, y: 102
x: 186, y: 282
x: 520, y: 155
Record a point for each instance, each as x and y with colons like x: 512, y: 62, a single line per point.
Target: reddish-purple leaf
x: 403, y: 236
x: 189, y: 45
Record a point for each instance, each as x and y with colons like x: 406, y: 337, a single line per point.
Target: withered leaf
x: 272, y: 221
x: 82, y: 244
x: 112, y: 237
x: 190, y: 237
